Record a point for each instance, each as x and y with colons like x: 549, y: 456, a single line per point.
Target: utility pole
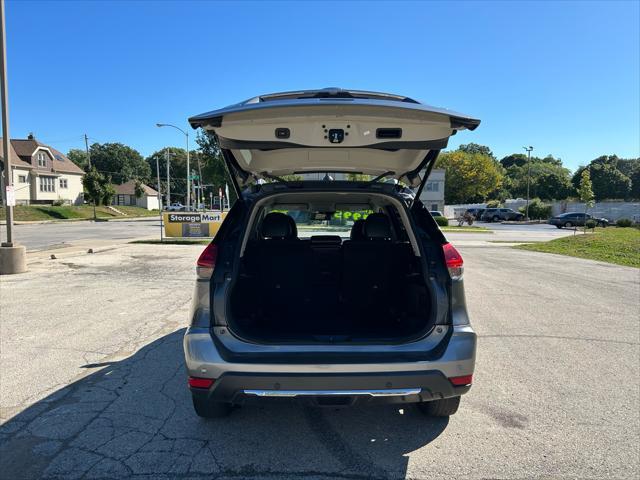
x: 167, y: 155
x: 188, y: 175
x: 13, y: 257
x: 186, y: 134
x: 193, y: 191
x: 86, y: 146
x: 159, y: 196
x: 528, y: 150
x: 200, y: 182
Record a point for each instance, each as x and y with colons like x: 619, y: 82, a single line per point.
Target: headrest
x: 357, y: 230
x: 278, y: 225
x: 377, y: 227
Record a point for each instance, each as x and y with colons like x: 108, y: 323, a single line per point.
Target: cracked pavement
x: 93, y: 385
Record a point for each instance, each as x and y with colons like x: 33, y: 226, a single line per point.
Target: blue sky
x: 563, y: 77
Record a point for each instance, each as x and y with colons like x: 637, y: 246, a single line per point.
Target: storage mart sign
x: 192, y: 224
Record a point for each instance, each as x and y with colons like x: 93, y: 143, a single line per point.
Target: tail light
x: 207, y: 262
x: 195, y: 382
x: 454, y: 261
x: 460, y: 381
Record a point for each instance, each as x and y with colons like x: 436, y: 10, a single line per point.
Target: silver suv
x: 324, y: 283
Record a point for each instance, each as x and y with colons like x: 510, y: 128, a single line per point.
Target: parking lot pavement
x: 93, y: 384
x: 60, y: 234
x: 501, y: 233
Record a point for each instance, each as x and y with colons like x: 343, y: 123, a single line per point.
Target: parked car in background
x: 501, y: 215
x: 175, y: 207
x: 574, y: 219
x: 436, y: 213
x: 476, y: 212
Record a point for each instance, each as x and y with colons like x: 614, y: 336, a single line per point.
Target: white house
x: 42, y: 174
x: 432, y: 195
x: 126, y: 195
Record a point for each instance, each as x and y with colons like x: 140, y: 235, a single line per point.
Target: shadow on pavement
x: 134, y: 418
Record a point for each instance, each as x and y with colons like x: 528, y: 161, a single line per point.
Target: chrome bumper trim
x: 391, y: 392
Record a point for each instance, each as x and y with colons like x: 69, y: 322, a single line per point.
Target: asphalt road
x: 39, y: 236
x: 63, y: 234
x: 93, y: 384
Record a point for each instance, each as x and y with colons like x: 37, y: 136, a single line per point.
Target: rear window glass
x: 310, y: 223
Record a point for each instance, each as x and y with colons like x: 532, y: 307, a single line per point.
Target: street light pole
x: 528, y: 150
x: 186, y: 134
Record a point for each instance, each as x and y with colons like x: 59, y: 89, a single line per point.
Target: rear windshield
x: 310, y: 223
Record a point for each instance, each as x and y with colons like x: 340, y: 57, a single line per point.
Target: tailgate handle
x: 389, y: 133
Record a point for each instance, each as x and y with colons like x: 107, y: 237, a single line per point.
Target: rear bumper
x: 373, y: 382
x: 333, y: 389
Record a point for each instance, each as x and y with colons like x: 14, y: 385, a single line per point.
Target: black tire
x: 603, y: 225
x: 440, y: 408
x: 568, y: 225
x: 495, y: 218
x: 208, y: 409
x: 558, y: 226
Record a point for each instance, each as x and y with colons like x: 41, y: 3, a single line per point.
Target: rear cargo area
x: 366, y: 288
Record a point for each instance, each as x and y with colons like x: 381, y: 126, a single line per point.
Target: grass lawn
x: 67, y: 212
x: 614, y: 245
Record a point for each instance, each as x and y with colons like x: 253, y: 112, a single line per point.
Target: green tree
x: 517, y: 159
x: 121, y: 162
x: 138, y: 188
x: 177, y: 170
x: 108, y: 192
x: 79, y: 157
x: 549, y: 180
x: 635, y: 183
x: 213, y: 168
x: 97, y: 187
x: 585, y: 191
x: 609, y: 182
x: 470, y: 177
x: 538, y: 210
x: 476, y: 148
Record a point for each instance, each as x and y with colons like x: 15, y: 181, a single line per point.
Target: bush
x: 442, y: 221
x: 591, y: 223
x: 58, y: 203
x: 538, y: 210
x: 624, y: 222
x: 493, y: 204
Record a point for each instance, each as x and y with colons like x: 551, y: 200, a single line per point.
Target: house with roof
x: 41, y: 174
x: 126, y: 196
x: 432, y: 195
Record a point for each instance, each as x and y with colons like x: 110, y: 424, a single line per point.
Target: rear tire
x: 208, y: 409
x: 568, y: 225
x: 558, y: 226
x: 440, y: 408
